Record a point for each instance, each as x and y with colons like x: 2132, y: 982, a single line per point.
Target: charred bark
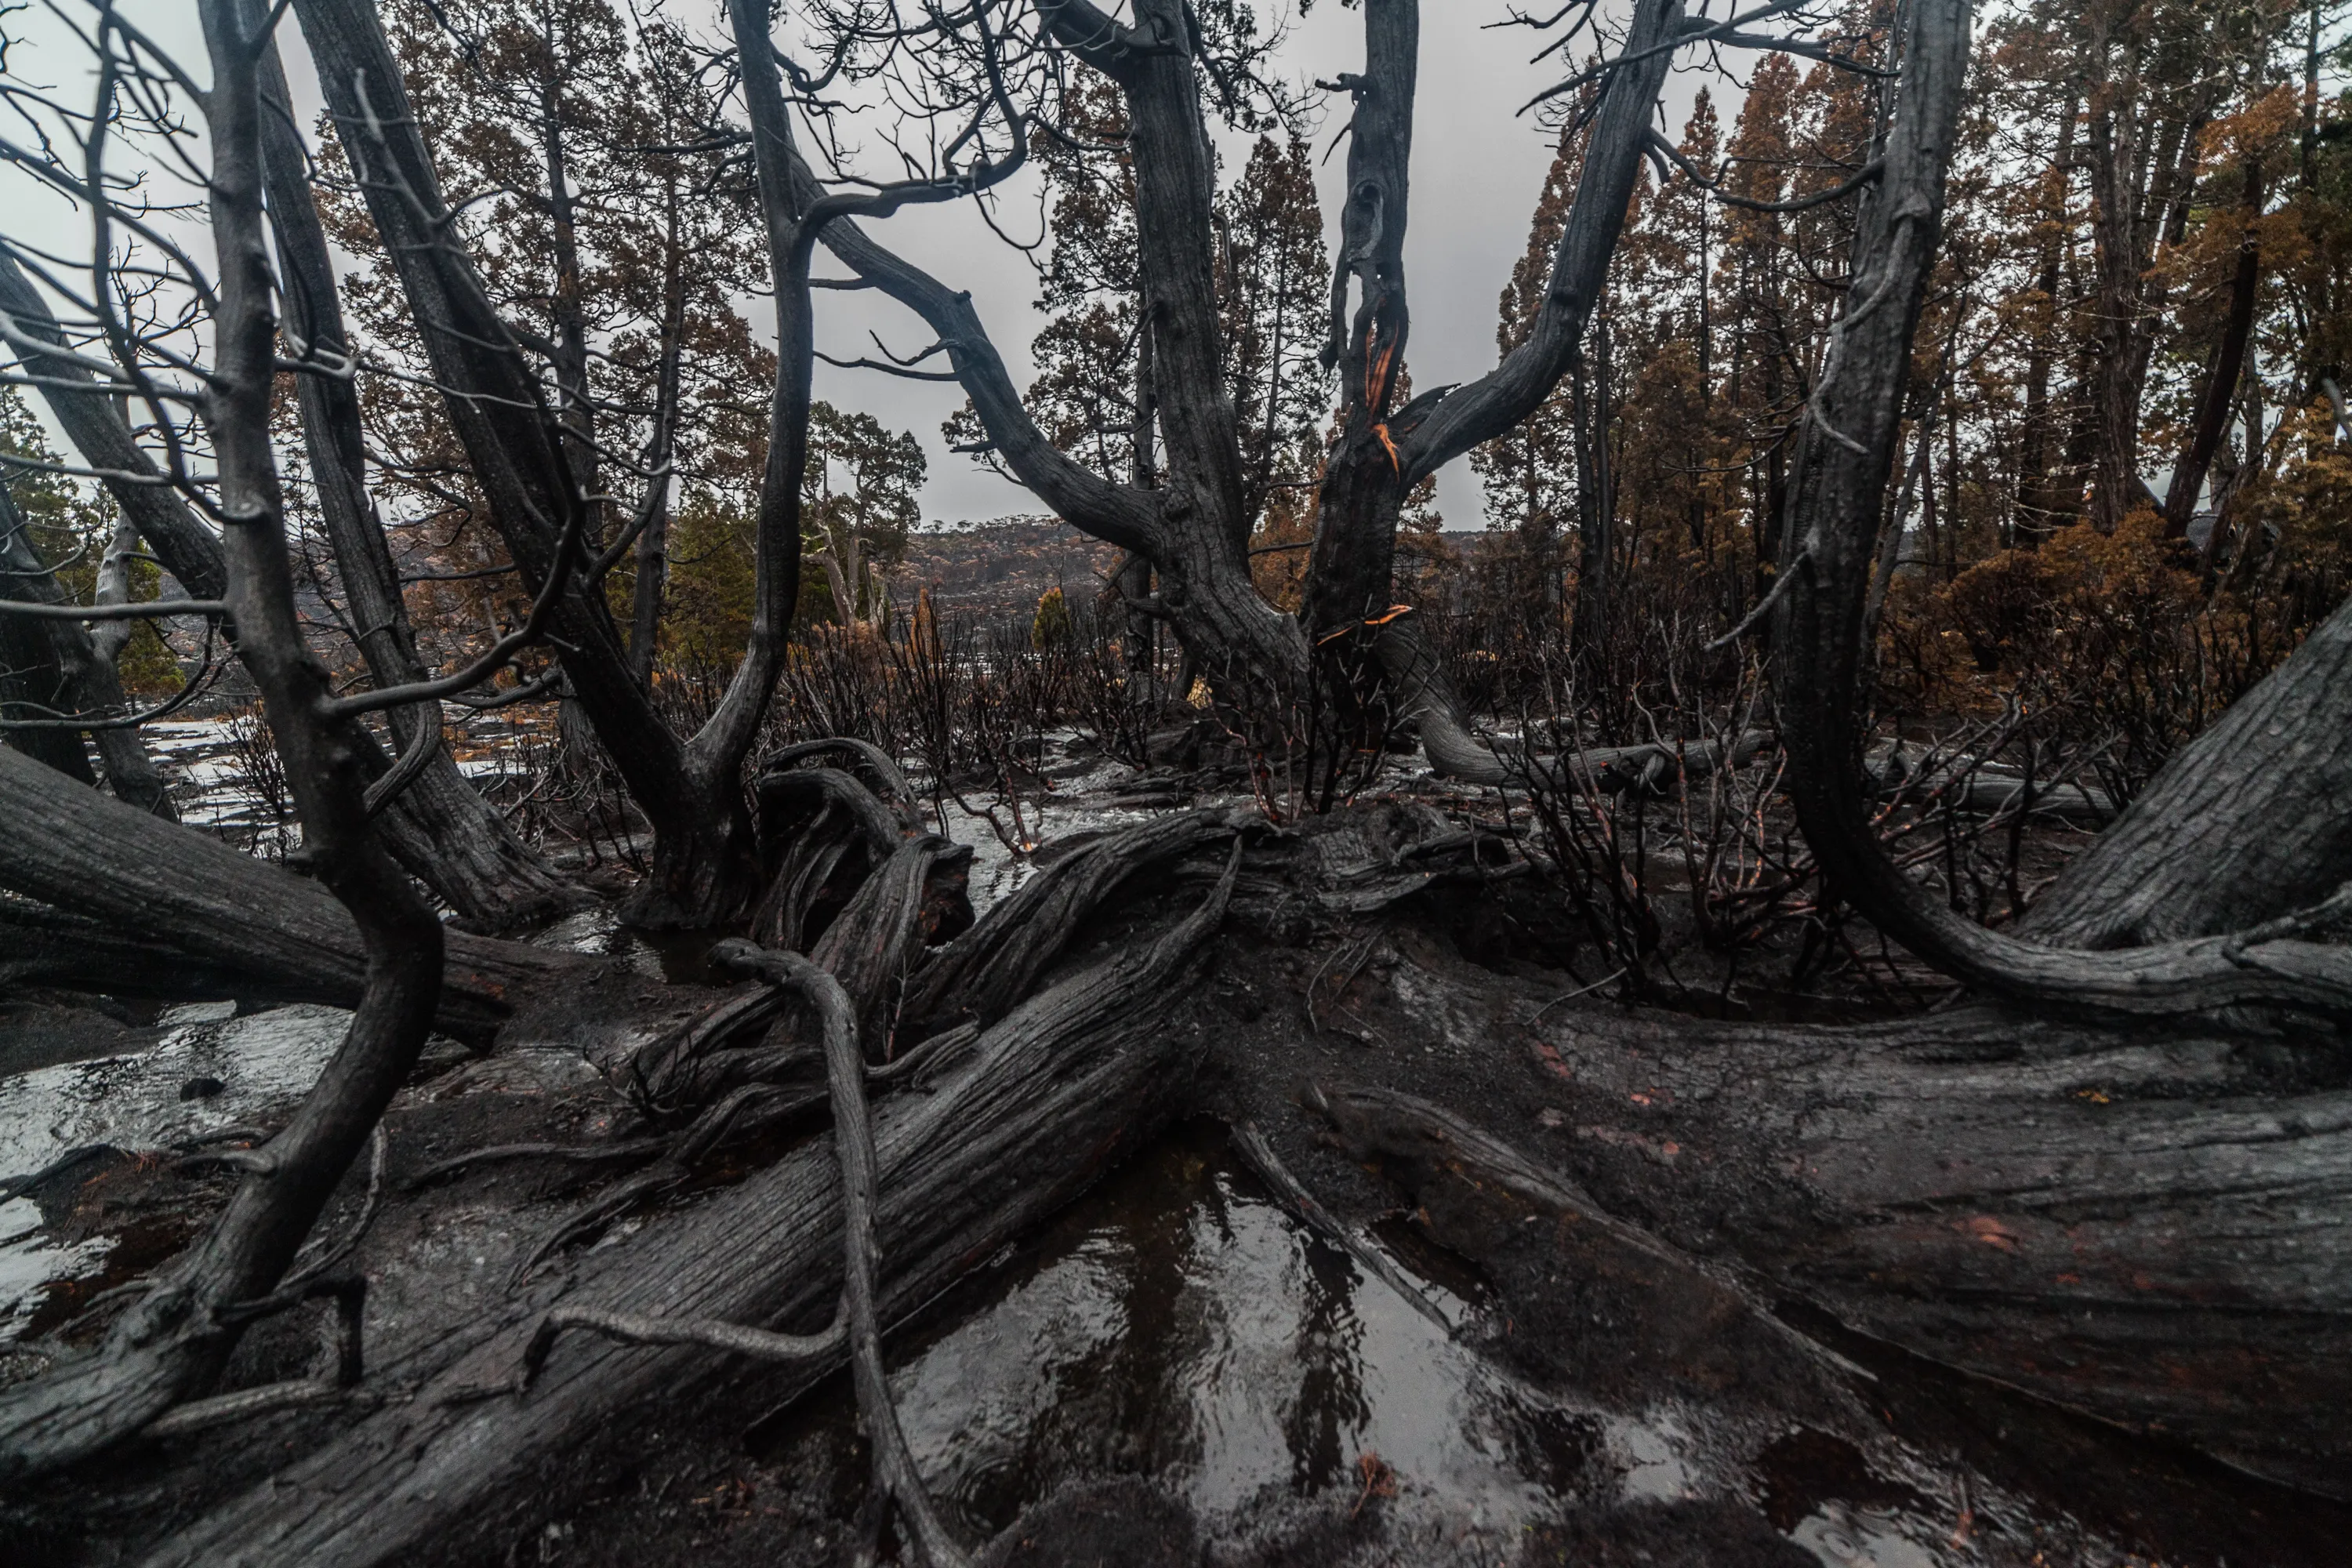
x: 2245, y: 823
x: 2146, y: 1229
x: 263, y: 932
x: 1010, y: 1128
x: 60, y: 673
x: 1348, y: 575
x: 449, y: 837
x: 34, y: 676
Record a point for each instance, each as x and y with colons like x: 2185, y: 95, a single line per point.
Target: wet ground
x: 1181, y: 1357
x: 1178, y: 1324
x: 1178, y: 1370
x: 206, y: 1071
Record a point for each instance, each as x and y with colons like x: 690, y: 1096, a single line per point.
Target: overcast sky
x: 1478, y: 167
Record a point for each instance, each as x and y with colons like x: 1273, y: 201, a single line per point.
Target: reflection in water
x: 214, y: 1071
x: 1178, y: 1324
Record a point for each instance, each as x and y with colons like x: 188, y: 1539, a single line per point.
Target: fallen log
x: 1456, y: 749
x: 239, y: 927
x: 2155, y: 1230
x: 2245, y: 823
x: 1003, y: 1136
x: 1582, y: 1301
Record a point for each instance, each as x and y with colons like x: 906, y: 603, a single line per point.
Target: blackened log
x: 1002, y: 1136
x: 2148, y: 1228
x: 158, y: 885
x: 2246, y: 822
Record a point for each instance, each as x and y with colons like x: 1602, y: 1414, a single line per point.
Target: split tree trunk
x: 705, y: 861
x: 1004, y: 1134
x: 452, y: 839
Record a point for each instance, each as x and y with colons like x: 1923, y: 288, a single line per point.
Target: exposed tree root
x: 895, y: 1476
x: 1016, y: 1119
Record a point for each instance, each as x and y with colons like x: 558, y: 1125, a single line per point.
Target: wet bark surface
x: 2242, y: 825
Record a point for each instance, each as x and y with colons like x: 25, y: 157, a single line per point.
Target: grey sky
x: 1476, y: 170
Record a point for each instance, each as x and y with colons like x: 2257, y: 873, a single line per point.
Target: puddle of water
x: 997, y: 869
x: 212, y: 1071
x: 676, y: 957
x: 1177, y: 1323
x: 30, y: 1262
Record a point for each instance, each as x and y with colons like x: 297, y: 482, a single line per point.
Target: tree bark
x: 455, y: 842
x: 2151, y: 1231
x: 2244, y: 824
x: 2215, y: 401
x: 705, y: 869
x: 1005, y: 1135
x: 279, y: 935
x: 60, y: 669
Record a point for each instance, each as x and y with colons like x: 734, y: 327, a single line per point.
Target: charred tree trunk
x: 1192, y: 527
x: 170, y: 1344
x: 33, y: 677
x: 451, y: 840
x: 2245, y: 823
x: 59, y: 671
x: 1845, y: 448
x: 430, y: 832
x: 2220, y: 393
x: 2149, y: 1233
x: 1009, y: 1127
x: 705, y: 862
x: 1349, y: 573
x: 266, y: 933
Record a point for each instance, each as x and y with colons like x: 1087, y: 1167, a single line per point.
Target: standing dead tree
x: 705, y: 860
x: 439, y: 827
x: 171, y: 1343
x: 67, y: 683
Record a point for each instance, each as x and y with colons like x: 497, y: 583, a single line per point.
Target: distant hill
x: 1004, y: 566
